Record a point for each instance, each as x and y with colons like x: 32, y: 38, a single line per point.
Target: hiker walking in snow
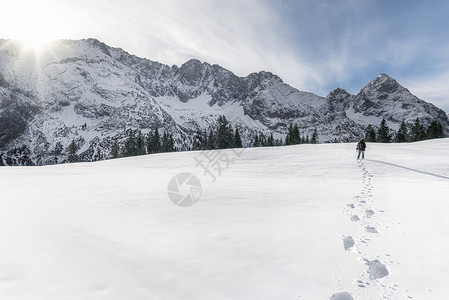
x: 361, y: 146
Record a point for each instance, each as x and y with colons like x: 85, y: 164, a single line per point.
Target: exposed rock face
x: 91, y: 93
x: 385, y: 98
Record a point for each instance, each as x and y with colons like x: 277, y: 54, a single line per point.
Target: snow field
x: 275, y: 225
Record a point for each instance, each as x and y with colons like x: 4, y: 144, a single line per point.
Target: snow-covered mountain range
x: 89, y: 92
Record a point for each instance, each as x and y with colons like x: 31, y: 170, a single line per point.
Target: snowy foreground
x: 298, y: 222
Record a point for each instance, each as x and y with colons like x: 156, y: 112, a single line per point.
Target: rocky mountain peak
x: 338, y: 94
x: 383, y: 84
x: 193, y: 65
x: 191, y: 72
x: 99, y: 45
x: 262, y: 78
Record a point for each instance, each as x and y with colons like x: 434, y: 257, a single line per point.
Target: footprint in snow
x: 355, y: 218
x: 369, y: 213
x: 348, y: 242
x: 341, y: 296
x: 362, y: 284
x: 364, y: 239
x: 376, y: 269
x: 371, y: 229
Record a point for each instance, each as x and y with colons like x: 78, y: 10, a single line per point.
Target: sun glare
x: 35, y: 43
x: 35, y: 23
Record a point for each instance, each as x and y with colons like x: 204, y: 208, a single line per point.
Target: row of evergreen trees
x: 223, y: 136
x: 138, y: 143
x: 261, y: 140
x: 293, y: 137
x: 417, y: 132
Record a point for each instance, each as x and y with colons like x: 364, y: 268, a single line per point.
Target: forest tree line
x: 418, y: 132
x: 223, y: 136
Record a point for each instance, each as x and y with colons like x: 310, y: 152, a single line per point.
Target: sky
x: 315, y: 46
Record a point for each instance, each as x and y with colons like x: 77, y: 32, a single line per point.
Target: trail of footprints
x: 362, y: 212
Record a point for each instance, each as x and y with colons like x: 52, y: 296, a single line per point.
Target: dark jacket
x: 361, y: 146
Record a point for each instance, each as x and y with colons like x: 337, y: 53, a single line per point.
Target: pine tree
x: 256, y: 142
x: 156, y: 142
x: 171, y: 143
x: 383, y: 133
x: 164, y: 143
x: 73, y: 148
x: 314, y: 139
x: 58, y: 148
x: 210, y: 141
x: 224, y: 137
x: 370, y: 135
x: 401, y: 135
x: 292, y: 137
x: 150, y: 143
x: 130, y: 148
x: 237, y: 139
x: 435, y: 130
x: 203, y: 140
x: 270, y: 140
x: 57, y: 152
x: 140, y: 144
x: 197, y: 143
x: 289, y: 135
x: 167, y: 142
x: 262, y: 139
x: 296, y: 139
x: 115, y: 150
x: 417, y: 132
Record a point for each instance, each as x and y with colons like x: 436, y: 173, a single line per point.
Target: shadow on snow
x: 410, y: 169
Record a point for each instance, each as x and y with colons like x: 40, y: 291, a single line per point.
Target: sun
x: 35, y: 43
x: 33, y: 23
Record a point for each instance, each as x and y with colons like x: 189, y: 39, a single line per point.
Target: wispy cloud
x: 244, y: 36
x: 432, y: 88
x: 312, y: 45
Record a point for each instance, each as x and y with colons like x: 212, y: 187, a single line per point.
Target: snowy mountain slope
x: 274, y: 225
x: 385, y: 98
x: 91, y: 93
